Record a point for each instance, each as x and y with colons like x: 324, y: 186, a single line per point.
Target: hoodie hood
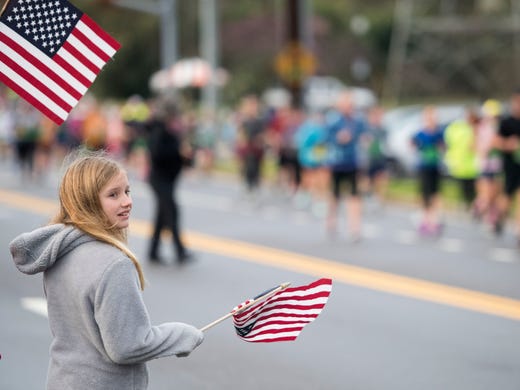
x: 38, y: 250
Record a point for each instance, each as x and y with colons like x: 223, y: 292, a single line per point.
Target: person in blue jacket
x: 344, y: 132
x: 429, y: 144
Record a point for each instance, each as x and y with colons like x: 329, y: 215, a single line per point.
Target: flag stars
x: 47, y: 23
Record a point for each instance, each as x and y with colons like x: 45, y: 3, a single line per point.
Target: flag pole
x: 4, y: 7
x: 259, y: 298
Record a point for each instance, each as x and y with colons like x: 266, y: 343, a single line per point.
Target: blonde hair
x: 80, y: 206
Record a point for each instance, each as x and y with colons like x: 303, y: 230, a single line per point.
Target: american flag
x: 50, y: 53
x: 282, y: 316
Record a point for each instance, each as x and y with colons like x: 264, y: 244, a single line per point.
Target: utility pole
x: 208, y: 25
x: 296, y: 62
x: 166, y: 11
x: 294, y: 30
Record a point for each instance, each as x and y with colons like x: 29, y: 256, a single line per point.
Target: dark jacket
x: 165, y: 150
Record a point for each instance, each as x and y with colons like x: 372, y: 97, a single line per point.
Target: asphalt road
x: 404, y: 313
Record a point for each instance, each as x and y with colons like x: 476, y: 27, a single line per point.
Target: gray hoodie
x: 102, y: 335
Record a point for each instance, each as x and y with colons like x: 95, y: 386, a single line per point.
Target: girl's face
x: 116, y: 201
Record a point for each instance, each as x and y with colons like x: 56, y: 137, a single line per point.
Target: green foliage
x: 129, y: 71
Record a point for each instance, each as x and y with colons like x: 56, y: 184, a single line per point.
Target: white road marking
x: 371, y: 231
x: 301, y: 218
x: 503, y: 255
x: 36, y: 305
x: 406, y: 237
x: 271, y: 213
x: 452, y: 245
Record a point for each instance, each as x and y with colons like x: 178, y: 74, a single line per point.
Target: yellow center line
x: 315, y: 266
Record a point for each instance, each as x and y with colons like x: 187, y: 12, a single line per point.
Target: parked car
x: 321, y: 93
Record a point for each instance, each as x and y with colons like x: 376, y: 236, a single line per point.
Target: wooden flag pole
x: 4, y: 7
x: 261, y: 297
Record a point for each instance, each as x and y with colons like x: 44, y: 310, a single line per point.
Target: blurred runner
x: 134, y: 113
x: 310, y: 140
x: 168, y: 155
x: 27, y: 132
x: 377, y: 160
x: 509, y: 144
x: 6, y: 125
x: 344, y: 132
x: 429, y: 145
x: 490, y: 164
x: 251, y: 142
x: 461, y: 155
x: 282, y: 130
x: 94, y: 126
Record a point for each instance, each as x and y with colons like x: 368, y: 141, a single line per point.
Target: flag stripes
x: 282, y: 316
x: 52, y: 71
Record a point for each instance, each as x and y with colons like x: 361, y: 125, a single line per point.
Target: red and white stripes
x: 283, y: 316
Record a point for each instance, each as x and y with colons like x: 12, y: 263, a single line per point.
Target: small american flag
x: 50, y: 53
x: 282, y: 316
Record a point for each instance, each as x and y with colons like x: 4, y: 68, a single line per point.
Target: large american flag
x: 282, y: 316
x: 50, y: 53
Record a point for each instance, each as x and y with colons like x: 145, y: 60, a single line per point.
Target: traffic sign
x: 294, y: 63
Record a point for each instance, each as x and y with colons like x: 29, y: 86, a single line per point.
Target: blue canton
x: 46, y: 24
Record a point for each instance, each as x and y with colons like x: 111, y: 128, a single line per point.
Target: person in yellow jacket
x: 461, y: 155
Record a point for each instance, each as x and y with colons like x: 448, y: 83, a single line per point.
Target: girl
x: 102, y: 335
